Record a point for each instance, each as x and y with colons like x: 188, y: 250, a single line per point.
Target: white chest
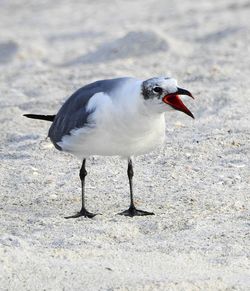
x: 115, y: 130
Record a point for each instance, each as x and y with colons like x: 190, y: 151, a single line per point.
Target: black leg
x: 83, y: 212
x: 132, y: 211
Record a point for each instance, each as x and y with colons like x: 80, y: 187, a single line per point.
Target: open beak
x: 174, y: 100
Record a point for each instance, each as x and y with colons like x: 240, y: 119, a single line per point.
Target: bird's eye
x: 157, y: 90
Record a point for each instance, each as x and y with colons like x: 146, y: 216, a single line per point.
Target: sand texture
x: 197, y: 184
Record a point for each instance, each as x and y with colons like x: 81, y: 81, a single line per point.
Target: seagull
x: 115, y: 117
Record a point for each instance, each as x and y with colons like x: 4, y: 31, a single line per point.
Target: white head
x: 161, y: 93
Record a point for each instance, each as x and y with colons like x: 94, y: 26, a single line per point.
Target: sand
x: 197, y: 184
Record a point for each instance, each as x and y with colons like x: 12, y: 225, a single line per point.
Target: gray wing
x: 73, y: 114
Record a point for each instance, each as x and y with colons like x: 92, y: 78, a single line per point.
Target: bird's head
x: 163, y: 92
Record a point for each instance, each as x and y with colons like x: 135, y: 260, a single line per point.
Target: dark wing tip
x: 42, y: 117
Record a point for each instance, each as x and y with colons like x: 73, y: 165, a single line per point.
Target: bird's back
x: 74, y: 114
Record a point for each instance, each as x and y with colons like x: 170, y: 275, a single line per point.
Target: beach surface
x: 197, y: 184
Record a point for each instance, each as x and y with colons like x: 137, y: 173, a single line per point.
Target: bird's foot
x: 82, y: 212
x: 132, y: 211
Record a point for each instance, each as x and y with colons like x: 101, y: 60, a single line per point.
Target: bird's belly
x: 112, y: 140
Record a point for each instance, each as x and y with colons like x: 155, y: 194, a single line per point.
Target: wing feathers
x: 42, y: 117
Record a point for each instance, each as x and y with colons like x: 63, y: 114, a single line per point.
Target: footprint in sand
x: 133, y: 44
x: 8, y: 51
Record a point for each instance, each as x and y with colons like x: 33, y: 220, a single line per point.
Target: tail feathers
x: 38, y: 116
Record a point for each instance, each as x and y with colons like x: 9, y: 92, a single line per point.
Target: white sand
x: 198, y: 185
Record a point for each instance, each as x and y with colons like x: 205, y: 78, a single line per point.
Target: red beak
x: 174, y: 100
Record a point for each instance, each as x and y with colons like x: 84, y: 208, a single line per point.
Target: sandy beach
x: 197, y: 184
